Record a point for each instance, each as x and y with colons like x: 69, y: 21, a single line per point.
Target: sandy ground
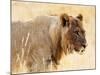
x: 25, y: 11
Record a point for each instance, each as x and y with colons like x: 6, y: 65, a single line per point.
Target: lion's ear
x: 64, y: 20
x: 80, y: 17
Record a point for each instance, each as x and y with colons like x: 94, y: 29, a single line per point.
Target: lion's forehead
x: 75, y: 21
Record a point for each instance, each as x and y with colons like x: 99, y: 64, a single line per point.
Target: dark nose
x: 85, y: 45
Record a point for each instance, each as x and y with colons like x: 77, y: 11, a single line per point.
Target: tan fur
x: 37, y: 43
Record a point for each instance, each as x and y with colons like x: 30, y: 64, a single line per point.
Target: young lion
x: 35, y: 44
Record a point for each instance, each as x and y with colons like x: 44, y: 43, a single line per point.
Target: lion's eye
x: 77, y: 32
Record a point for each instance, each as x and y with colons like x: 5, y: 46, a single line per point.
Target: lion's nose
x: 84, y: 45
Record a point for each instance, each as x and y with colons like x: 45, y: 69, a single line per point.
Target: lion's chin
x: 80, y: 51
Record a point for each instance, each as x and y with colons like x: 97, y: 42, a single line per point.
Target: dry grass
x: 25, y: 11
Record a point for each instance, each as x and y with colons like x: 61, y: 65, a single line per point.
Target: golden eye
x: 77, y: 32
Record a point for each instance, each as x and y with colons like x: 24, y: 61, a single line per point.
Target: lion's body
x: 35, y: 44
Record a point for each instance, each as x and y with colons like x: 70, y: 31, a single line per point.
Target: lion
x: 37, y: 43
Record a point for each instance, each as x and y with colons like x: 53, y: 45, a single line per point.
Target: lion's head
x: 73, y: 34
x: 71, y: 38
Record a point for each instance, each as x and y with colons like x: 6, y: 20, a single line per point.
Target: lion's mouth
x: 80, y: 51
